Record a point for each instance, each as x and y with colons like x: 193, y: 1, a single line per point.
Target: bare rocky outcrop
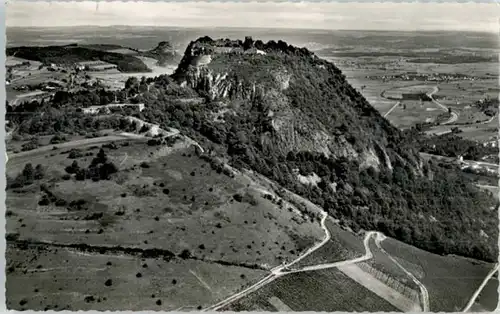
x: 255, y: 76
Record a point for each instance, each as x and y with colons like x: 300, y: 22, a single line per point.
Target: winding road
x: 454, y: 115
x: 285, y: 269
x: 452, y: 119
x: 423, y: 290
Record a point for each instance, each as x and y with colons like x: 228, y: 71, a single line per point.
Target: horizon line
x: 264, y: 27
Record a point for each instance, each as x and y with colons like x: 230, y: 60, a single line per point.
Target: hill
x: 278, y: 134
x: 293, y: 117
x: 126, y: 59
x: 164, y: 53
x: 71, y: 54
x: 284, y: 112
x: 168, y: 207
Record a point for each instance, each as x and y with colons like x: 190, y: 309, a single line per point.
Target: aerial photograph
x: 274, y: 156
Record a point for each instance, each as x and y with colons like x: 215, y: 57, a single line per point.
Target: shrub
x: 75, y: 153
x: 58, y: 138
x: 60, y: 202
x: 238, y: 197
x: 185, y: 254
x: 44, y: 201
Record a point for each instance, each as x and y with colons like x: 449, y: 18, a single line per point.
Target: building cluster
x: 425, y: 77
x: 94, y: 66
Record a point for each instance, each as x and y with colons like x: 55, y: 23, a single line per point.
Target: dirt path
x: 481, y: 287
x: 454, y: 115
x: 368, y: 255
x: 282, y: 270
x: 275, y: 272
x: 423, y: 290
x: 392, y: 108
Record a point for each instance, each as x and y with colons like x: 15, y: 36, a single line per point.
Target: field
x: 376, y: 78
x: 163, y: 199
x: 450, y: 280
x: 408, y: 113
x: 327, y: 290
x: 116, y: 80
x: 398, y: 92
x: 482, y: 132
x: 44, y: 277
x: 487, y: 301
x: 466, y: 92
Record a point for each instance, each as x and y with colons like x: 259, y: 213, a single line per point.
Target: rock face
x: 293, y: 117
x: 273, y: 81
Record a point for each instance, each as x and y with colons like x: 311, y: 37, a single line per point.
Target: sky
x: 307, y: 15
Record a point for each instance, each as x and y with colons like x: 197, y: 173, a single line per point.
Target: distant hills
x: 125, y: 58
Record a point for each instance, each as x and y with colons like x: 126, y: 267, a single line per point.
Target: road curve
x: 368, y: 255
x: 278, y: 271
x: 275, y: 272
x: 454, y: 115
x: 423, y: 290
x: 481, y: 287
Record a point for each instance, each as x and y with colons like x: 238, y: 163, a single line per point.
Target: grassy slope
x: 199, y: 199
x: 450, y: 280
x: 49, y: 278
x: 230, y: 231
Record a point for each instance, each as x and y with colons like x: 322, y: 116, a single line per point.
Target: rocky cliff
x: 293, y: 117
x: 306, y: 102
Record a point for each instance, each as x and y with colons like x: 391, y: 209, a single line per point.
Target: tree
x: 132, y: 85
x: 39, y: 172
x: 28, y: 172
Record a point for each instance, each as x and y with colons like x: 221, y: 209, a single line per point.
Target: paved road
x: 481, y: 287
x: 454, y: 115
